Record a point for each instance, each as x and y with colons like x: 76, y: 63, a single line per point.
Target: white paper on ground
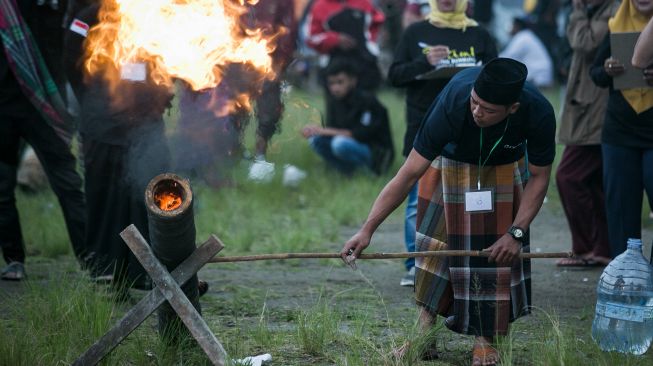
x: 255, y: 360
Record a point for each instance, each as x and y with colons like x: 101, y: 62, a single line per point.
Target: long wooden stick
x: 438, y: 253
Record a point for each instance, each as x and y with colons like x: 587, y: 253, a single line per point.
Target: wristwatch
x: 517, y: 233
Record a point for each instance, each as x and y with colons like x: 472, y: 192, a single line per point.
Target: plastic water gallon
x: 623, y: 321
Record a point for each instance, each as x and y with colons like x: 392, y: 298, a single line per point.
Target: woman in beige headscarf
x: 579, y: 173
x: 627, y: 139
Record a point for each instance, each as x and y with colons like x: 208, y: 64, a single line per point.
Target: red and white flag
x: 79, y: 27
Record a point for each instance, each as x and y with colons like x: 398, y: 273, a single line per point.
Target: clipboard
x: 444, y: 71
x: 622, y: 46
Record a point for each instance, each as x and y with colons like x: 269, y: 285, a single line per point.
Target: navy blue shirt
x: 449, y: 128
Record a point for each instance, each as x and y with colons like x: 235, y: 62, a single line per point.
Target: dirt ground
x: 565, y: 290
x: 569, y: 294
x: 244, y: 289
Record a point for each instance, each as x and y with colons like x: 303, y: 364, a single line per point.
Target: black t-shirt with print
x: 473, y: 45
x: 449, y: 129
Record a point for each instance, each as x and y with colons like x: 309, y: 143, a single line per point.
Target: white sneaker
x: 261, y: 171
x: 255, y: 360
x: 408, y: 279
x: 292, y: 175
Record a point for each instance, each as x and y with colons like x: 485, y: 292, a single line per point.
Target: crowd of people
x: 479, y: 140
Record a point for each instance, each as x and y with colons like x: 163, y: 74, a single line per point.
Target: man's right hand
x: 355, y: 246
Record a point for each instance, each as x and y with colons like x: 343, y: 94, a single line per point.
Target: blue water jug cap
x: 634, y: 243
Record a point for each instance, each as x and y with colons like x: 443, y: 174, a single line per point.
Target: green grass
x: 53, y: 322
x: 56, y: 316
x: 551, y: 342
x: 42, y: 223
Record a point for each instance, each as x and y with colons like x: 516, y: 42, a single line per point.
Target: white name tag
x: 479, y: 201
x: 133, y: 72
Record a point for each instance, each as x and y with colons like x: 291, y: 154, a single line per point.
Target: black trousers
x: 116, y: 178
x: 19, y: 119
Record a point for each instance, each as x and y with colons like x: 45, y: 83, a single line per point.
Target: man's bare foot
x: 483, y: 353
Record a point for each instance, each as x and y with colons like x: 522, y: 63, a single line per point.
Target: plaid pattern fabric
x: 28, y: 66
x: 482, y: 297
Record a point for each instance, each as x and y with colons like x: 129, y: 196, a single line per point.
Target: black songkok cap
x: 501, y: 81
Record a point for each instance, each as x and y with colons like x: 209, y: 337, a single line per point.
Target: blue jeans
x: 410, y: 225
x: 345, y: 154
x: 627, y: 172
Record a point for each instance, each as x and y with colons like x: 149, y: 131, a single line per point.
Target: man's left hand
x: 504, y: 251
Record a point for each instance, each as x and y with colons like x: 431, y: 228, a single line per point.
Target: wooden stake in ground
x: 167, y: 289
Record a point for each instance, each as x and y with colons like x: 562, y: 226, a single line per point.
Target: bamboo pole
x: 437, y: 253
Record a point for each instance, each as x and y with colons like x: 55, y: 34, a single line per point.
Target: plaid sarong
x: 481, y: 297
x: 28, y: 66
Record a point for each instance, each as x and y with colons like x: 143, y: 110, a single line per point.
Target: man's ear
x: 513, y: 108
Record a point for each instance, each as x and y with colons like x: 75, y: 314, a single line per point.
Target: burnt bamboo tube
x: 437, y: 253
x: 169, y: 202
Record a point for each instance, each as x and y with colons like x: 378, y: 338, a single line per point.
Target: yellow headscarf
x: 628, y: 19
x: 456, y: 19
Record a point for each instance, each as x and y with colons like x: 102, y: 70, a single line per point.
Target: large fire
x: 191, y: 40
x: 167, y: 201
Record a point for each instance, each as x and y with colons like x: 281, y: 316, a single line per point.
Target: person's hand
x: 353, y: 248
x: 613, y: 67
x: 434, y: 54
x: 648, y: 75
x: 345, y: 41
x: 504, y: 251
x: 578, y: 4
x: 310, y: 130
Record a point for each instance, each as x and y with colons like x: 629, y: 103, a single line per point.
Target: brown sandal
x: 484, y: 355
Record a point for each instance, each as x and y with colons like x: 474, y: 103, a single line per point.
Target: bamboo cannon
x: 437, y: 253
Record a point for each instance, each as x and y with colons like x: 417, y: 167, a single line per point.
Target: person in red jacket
x: 348, y: 29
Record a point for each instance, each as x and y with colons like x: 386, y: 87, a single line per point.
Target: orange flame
x: 191, y: 40
x: 167, y: 201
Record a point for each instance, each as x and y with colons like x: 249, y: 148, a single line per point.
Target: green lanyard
x: 480, y: 152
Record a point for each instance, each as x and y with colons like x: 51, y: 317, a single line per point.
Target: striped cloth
x: 28, y: 66
x: 482, y: 298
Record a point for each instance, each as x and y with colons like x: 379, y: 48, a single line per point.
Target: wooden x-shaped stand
x: 167, y: 289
